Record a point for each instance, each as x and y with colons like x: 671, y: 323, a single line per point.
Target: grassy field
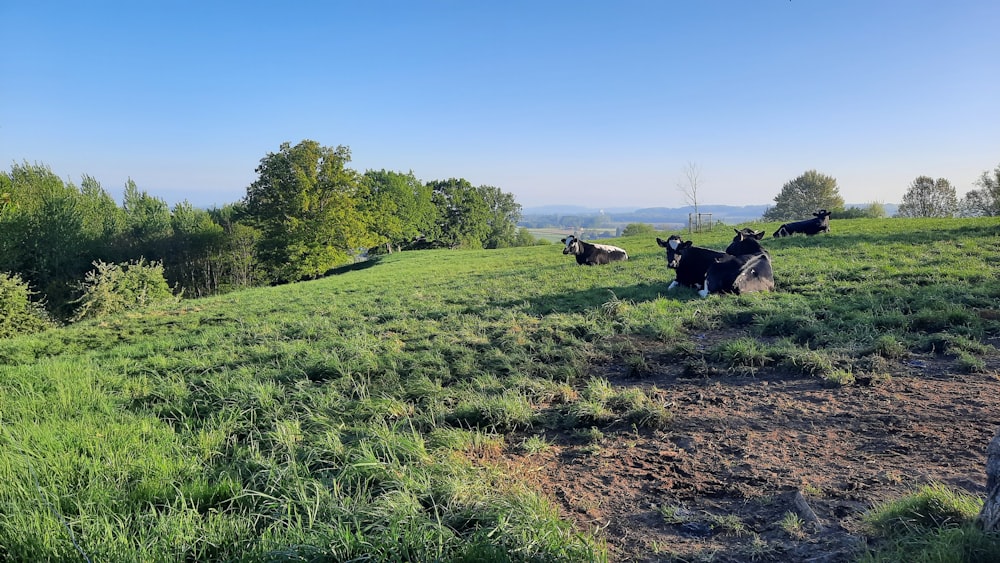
x: 343, y: 418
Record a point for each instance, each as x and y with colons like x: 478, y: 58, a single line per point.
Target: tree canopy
x: 803, y: 196
x: 986, y: 200
x: 928, y: 197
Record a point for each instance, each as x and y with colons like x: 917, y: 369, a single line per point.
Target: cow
x: 820, y: 223
x: 690, y: 263
x: 593, y: 254
x: 744, y: 267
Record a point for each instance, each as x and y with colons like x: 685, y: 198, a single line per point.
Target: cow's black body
x: 820, y: 223
x: 593, y: 254
x: 745, y: 266
x: 690, y: 263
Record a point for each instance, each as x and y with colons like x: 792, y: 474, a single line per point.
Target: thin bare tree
x: 690, y: 184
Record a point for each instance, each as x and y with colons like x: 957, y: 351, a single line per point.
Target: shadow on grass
x: 363, y: 265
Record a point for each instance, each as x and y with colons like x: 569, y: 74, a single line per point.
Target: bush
x: 115, y: 288
x: 637, y: 229
x: 18, y: 313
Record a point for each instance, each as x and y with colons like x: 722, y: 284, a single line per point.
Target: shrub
x: 115, y: 288
x: 18, y: 313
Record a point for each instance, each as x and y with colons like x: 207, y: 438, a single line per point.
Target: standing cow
x: 592, y: 254
x: 820, y: 223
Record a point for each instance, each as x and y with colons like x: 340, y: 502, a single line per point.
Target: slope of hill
x: 511, y: 405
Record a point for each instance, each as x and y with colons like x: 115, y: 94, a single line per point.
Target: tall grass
x: 341, y: 419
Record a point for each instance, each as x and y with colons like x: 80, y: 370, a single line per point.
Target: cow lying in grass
x: 593, y: 254
x: 820, y: 223
x: 744, y: 267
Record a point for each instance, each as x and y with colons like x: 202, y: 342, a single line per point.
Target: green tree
x: 637, y: 229
x: 194, y: 259
x: 984, y: 202
x: 928, y: 197
x: 398, y: 206
x: 462, y: 214
x: 503, y: 213
x: 19, y: 314
x: 305, y: 203
x: 803, y: 196
x: 147, y: 223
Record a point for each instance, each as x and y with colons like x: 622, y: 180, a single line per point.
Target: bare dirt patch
x: 720, y: 482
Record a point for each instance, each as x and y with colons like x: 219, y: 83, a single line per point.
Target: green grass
x: 933, y: 524
x: 341, y: 418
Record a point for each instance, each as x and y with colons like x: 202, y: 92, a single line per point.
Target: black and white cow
x: 820, y: 223
x: 744, y: 267
x: 593, y: 254
x: 690, y: 263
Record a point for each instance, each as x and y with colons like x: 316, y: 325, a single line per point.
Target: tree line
x: 306, y: 213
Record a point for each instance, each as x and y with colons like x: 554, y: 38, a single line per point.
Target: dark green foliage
x: 805, y: 195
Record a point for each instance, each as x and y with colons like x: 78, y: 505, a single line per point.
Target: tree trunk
x: 989, y: 518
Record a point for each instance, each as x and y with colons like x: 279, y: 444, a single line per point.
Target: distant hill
x: 549, y: 215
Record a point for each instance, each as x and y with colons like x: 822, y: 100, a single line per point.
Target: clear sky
x: 558, y: 102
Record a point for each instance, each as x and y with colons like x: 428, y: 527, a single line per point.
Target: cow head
x: 746, y: 241
x: 822, y: 214
x: 572, y: 245
x: 675, y: 249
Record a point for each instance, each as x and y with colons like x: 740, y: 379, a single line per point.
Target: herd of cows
x: 743, y: 268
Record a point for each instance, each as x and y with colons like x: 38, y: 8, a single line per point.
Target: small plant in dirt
x: 839, y: 378
x: 674, y: 514
x: 793, y: 525
x: 742, y: 355
x: 935, y: 524
x: 803, y: 360
x: 535, y: 444
x: 730, y: 524
x: 889, y: 346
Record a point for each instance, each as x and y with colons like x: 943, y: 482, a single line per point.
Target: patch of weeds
x: 933, y: 524
x: 683, y: 349
x: 730, y: 524
x: 592, y: 435
x: 742, y: 354
x: 812, y: 490
x: 598, y: 389
x: 969, y: 363
x: 637, y: 365
x: 812, y: 362
x: 758, y: 548
x: 695, y: 368
x: 501, y: 413
x: 839, y: 378
x: 888, y: 346
x: 673, y: 514
x: 535, y: 444
x: 793, y: 525
x: 588, y: 412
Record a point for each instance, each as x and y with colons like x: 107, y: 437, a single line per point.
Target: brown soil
x: 716, y: 484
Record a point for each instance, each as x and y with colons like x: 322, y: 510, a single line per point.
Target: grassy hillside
x: 348, y: 417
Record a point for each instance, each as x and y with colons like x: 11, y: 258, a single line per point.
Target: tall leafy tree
x: 928, y: 197
x: 502, y: 217
x: 398, y: 206
x: 803, y: 196
x: 193, y: 259
x: 147, y: 223
x: 462, y: 214
x: 305, y: 204
x: 984, y: 202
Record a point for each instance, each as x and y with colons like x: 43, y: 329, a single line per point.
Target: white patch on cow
x: 570, y: 240
x: 609, y: 248
x: 672, y: 285
x: 704, y: 292
x: 674, y: 243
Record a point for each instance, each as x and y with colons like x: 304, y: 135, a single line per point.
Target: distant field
x: 363, y: 416
x: 555, y: 235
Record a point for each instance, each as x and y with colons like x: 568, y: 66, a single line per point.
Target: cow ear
x: 562, y: 241
x: 660, y: 242
x: 685, y: 244
x: 758, y: 235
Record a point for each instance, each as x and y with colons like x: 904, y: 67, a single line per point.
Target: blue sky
x: 559, y: 102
